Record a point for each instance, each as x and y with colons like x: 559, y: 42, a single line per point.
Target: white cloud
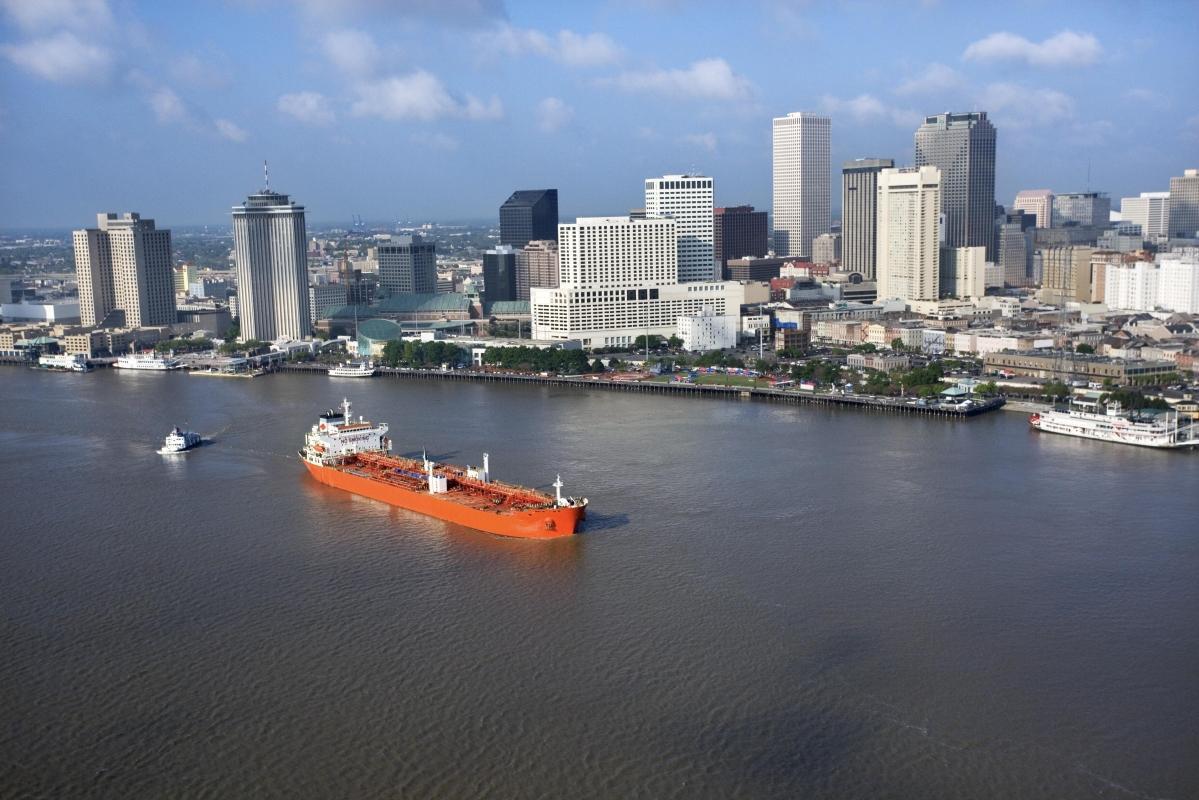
x: 78, y: 15
x: 167, y: 106
x: 434, y: 140
x: 570, y: 48
x: 351, y: 51
x: 935, y: 78
x: 62, y: 57
x: 704, y: 141
x: 710, y: 78
x: 418, y: 96
x: 866, y: 108
x: 553, y: 114
x: 1147, y: 97
x: 1021, y: 107
x: 1064, y: 49
x: 310, y: 107
x: 229, y: 130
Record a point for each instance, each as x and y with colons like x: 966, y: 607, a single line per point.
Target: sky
x: 438, y: 109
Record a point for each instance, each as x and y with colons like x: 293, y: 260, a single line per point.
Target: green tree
x: 988, y: 389
x: 1055, y: 389
x: 674, y: 342
x: 1084, y: 348
x: 761, y: 365
x: 897, y: 345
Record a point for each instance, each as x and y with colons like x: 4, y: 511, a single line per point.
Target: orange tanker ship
x: 355, y: 456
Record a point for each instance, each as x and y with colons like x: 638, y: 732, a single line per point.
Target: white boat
x: 1090, y: 419
x: 150, y: 361
x: 179, y: 441
x: 353, y: 369
x: 72, y: 363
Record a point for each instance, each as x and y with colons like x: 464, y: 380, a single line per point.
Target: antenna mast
x: 266, y: 175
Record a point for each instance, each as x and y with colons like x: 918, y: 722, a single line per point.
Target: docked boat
x: 354, y: 455
x: 353, y: 369
x: 180, y: 441
x: 148, y: 361
x: 71, y: 363
x: 1090, y: 419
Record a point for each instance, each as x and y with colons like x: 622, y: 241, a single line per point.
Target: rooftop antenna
x: 266, y: 174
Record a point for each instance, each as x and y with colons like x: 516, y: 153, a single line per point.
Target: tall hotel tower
x: 859, y: 196
x: 801, y: 182
x: 962, y: 147
x: 270, y: 247
x: 124, y: 265
x: 908, y: 253
x: 687, y: 199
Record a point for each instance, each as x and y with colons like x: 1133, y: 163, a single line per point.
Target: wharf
x: 891, y: 405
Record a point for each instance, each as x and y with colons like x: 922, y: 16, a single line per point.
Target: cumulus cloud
x: 711, y: 78
x: 935, y: 78
x: 570, y: 48
x: 77, y: 15
x: 553, y: 114
x: 867, y: 108
x: 418, y: 96
x: 1064, y: 49
x: 309, y: 107
x: 61, y: 57
x: 352, y: 51
x: 1022, y: 107
x: 167, y: 106
x: 229, y: 130
x: 704, y: 141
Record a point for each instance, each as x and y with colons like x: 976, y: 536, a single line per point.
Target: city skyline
x: 427, y: 100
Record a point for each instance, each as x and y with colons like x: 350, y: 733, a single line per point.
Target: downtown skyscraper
x: 859, y: 214
x: 962, y: 147
x: 124, y: 265
x: 270, y: 249
x: 528, y: 215
x: 801, y: 182
x: 687, y: 199
x: 908, y: 256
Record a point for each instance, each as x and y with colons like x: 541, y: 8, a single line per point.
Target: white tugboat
x: 1090, y: 419
x: 353, y: 369
x: 180, y: 441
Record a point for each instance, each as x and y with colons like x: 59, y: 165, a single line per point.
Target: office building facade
x: 1184, y: 205
x: 859, y: 197
x: 1151, y: 211
x: 963, y: 272
x: 962, y: 147
x: 801, y: 182
x: 407, y: 265
x: 124, y: 265
x: 1014, y: 248
x: 738, y: 232
x: 1081, y: 209
x: 499, y: 274
x: 269, y: 248
x: 826, y: 249
x: 529, y: 214
x: 687, y: 199
x: 536, y: 266
x: 1038, y: 202
x: 907, y: 256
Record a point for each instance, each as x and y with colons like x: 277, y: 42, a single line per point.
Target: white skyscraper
x: 1038, y: 202
x: 618, y: 280
x: 1178, y: 281
x: 908, y: 256
x: 270, y: 248
x: 1151, y: 211
x: 124, y: 264
x: 687, y: 199
x: 801, y: 182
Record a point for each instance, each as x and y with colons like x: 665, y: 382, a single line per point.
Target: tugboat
x: 180, y: 441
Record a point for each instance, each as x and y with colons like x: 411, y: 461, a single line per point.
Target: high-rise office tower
x: 527, y: 215
x: 826, y: 249
x: 499, y: 273
x: 1151, y: 211
x: 737, y: 232
x: 270, y: 250
x: 963, y: 272
x: 1038, y: 202
x: 536, y: 266
x: 1089, y: 209
x: 908, y: 245
x: 407, y: 265
x: 962, y: 147
x: 687, y: 199
x: 1184, y: 205
x: 1015, y: 248
x: 1066, y: 273
x: 859, y: 194
x: 124, y: 265
x: 801, y: 182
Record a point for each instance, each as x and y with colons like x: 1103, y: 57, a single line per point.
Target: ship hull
x: 543, y: 523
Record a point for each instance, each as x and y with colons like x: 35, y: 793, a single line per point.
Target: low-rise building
x: 708, y: 331
x: 1070, y: 366
x: 883, y: 362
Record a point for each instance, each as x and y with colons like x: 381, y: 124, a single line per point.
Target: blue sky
x: 437, y: 109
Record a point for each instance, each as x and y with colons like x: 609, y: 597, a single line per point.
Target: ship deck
x: 409, y: 474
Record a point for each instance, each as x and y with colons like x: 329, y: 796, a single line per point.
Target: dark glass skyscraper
x: 499, y: 274
x: 859, y: 212
x: 739, y: 232
x: 528, y: 215
x: 962, y: 146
